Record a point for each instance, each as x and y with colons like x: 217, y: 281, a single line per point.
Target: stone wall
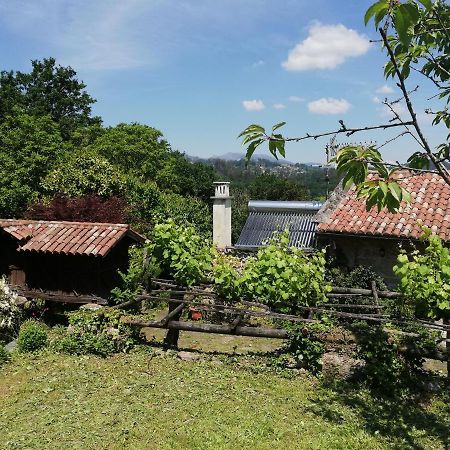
x: 378, y: 253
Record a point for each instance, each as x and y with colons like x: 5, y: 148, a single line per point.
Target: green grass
x: 51, y: 401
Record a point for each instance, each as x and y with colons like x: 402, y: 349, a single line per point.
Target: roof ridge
x: 64, y: 222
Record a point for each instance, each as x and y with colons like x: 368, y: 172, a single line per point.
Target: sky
x: 202, y: 70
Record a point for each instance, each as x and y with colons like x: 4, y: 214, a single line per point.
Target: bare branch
x: 403, y: 133
x: 343, y: 129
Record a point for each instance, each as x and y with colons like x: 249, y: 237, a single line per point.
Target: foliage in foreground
x: 414, y: 35
x: 425, y: 278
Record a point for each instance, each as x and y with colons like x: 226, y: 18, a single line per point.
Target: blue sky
x: 202, y: 70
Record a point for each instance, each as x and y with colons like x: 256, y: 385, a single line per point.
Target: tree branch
x: 343, y: 129
x: 441, y: 169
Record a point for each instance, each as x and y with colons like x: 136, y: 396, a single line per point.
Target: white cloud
x: 329, y: 106
x: 376, y: 100
x: 296, y: 99
x: 253, y: 105
x: 385, y: 90
x: 279, y: 106
x: 326, y: 47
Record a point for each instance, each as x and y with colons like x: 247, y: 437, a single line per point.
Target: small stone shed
x: 66, y: 257
x: 356, y: 236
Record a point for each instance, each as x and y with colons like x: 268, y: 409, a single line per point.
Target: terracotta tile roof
x: 69, y: 238
x: 430, y: 206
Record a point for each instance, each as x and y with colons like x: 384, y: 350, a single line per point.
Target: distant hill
x: 236, y: 156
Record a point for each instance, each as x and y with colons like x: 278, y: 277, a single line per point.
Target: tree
x: 415, y: 35
x: 271, y: 187
x: 29, y: 146
x: 82, y: 173
x: 136, y: 149
x: 49, y: 89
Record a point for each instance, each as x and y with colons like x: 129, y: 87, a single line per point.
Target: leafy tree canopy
x: 28, y: 147
x: 49, y: 89
x: 271, y: 187
x: 82, y: 173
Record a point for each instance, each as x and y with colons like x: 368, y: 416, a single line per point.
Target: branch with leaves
x: 415, y: 35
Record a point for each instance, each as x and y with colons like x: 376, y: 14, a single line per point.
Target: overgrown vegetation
x: 425, y: 278
x: 96, y: 332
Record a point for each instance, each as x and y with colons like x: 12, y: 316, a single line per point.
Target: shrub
x: 96, y: 332
x: 285, y: 277
x: 10, y: 314
x: 32, y: 336
x: 133, y: 282
x: 227, y: 277
x: 180, y: 253
x: 360, y: 277
x: 425, y: 278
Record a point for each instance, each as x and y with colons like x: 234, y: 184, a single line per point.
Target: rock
x: 340, y: 367
x: 20, y: 301
x: 91, y: 307
x: 188, y: 356
x: 11, y: 346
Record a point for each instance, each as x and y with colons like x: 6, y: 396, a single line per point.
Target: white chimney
x: 222, y: 215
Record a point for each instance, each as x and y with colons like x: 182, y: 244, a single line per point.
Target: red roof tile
x: 430, y: 206
x: 69, y: 238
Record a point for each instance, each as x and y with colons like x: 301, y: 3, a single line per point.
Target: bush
x: 32, y: 336
x: 10, y: 314
x: 285, y: 277
x: 425, y: 278
x: 181, y: 253
x: 360, y: 277
x: 96, y: 332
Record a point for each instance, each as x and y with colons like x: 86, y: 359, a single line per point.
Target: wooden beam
x: 210, y: 328
x: 61, y: 297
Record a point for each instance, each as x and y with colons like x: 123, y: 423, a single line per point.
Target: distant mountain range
x: 236, y: 156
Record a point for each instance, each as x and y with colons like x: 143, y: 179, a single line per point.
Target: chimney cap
x: 222, y: 189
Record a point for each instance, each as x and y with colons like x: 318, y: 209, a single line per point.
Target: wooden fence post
x: 172, y: 335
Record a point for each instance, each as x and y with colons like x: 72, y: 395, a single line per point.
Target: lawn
x: 136, y: 401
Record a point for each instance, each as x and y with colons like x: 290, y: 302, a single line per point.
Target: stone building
x: 356, y: 236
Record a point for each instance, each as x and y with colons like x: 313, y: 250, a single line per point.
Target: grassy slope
x: 130, y: 401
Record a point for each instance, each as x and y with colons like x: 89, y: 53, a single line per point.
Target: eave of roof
x: 68, y: 238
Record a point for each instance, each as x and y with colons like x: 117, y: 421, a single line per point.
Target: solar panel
x: 267, y: 218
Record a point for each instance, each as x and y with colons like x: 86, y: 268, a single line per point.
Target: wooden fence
x: 202, y: 298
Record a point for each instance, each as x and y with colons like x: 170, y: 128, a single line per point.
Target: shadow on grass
x: 401, y: 420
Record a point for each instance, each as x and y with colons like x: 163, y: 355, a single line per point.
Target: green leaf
x: 278, y: 125
x: 402, y: 21
x: 395, y: 191
x: 252, y: 147
x: 374, y: 9
x: 427, y: 4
